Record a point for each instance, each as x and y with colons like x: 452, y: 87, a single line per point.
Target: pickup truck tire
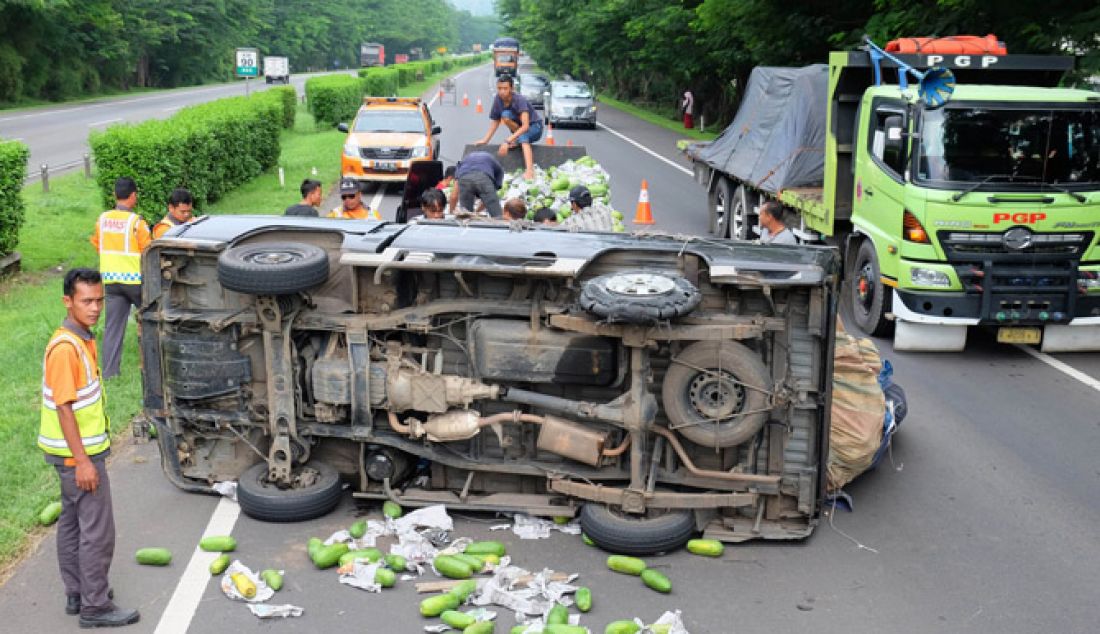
x: 708, y: 386
x: 639, y: 297
x: 868, y: 296
x: 262, y: 500
x: 720, y: 202
x: 272, y: 268
x: 618, y: 532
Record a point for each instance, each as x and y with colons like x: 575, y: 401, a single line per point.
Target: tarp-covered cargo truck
x: 983, y: 212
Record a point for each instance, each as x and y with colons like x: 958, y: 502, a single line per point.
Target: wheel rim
x: 273, y: 258
x: 304, y: 479
x: 865, y: 287
x: 716, y: 395
x: 720, y: 212
x: 737, y: 218
x: 641, y: 285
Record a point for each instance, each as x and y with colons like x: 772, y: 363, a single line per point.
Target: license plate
x: 385, y: 166
x: 1019, y: 335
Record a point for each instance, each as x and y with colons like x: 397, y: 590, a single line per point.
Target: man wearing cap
x: 351, y: 205
x: 580, y: 198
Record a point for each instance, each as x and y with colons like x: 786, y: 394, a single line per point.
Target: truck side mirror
x: 437, y: 130
x: 894, y: 146
x: 343, y: 127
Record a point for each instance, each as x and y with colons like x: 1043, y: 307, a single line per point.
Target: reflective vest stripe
x: 88, y: 441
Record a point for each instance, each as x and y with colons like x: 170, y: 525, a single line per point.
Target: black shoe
x: 116, y: 617
x: 72, y: 603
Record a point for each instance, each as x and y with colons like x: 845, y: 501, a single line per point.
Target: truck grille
x: 963, y: 246
x: 385, y: 153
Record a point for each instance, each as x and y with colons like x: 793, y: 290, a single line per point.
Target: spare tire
x: 636, y: 535
x: 317, y: 491
x: 716, y: 393
x: 639, y: 297
x: 272, y: 268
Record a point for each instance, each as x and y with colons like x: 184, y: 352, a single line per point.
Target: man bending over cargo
x: 479, y: 176
x: 773, y: 231
x: 521, y: 119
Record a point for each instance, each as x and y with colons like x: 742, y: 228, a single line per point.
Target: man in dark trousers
x: 75, y: 435
x: 120, y: 237
x: 520, y: 117
x: 479, y: 176
x: 311, y: 200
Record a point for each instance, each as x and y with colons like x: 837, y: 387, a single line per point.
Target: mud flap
x: 914, y: 337
x: 1058, y: 338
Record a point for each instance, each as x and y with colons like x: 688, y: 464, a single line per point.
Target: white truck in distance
x: 276, y: 69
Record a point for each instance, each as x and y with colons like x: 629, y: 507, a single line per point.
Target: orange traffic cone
x: 549, y: 134
x: 440, y: 95
x: 569, y: 143
x: 644, y: 215
x: 479, y: 109
x: 465, y: 99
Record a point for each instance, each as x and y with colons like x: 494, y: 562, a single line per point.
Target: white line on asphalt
x: 92, y: 125
x: 645, y: 149
x: 377, y: 200
x: 185, y: 600
x: 1062, y: 367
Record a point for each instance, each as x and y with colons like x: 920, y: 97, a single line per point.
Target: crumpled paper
x: 672, y: 619
x: 265, y: 611
x: 362, y: 576
x: 368, y: 540
x: 427, y: 517
x: 481, y: 614
x: 263, y: 592
x: 420, y: 535
x: 529, y: 527
x: 226, y: 489
x: 535, y: 598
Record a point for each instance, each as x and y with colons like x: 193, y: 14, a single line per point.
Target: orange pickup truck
x: 386, y: 137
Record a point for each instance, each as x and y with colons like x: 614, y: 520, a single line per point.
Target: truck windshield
x: 1023, y: 148
x: 390, y: 121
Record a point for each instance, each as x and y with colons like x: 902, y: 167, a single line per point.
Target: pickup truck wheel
x: 619, y: 532
x: 868, y: 296
x: 272, y: 268
x: 639, y: 297
x: 715, y: 394
x: 316, y: 491
x: 720, y: 200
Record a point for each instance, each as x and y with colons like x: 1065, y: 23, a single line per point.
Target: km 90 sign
x: 248, y: 62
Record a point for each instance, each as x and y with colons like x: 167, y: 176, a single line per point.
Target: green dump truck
x: 982, y: 212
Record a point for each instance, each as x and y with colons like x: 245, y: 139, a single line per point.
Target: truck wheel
x: 639, y: 297
x: 618, y: 532
x: 741, y: 218
x: 316, y: 491
x: 867, y: 295
x: 720, y: 199
x: 716, y: 393
x: 272, y: 268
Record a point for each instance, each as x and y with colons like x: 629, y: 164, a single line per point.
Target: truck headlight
x: 351, y: 149
x: 921, y: 276
x: 419, y: 151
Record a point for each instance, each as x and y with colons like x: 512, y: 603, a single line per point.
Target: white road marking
x: 1062, y: 367
x: 185, y: 600
x: 376, y: 201
x: 646, y: 150
x: 104, y: 122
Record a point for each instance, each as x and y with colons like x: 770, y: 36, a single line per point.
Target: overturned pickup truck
x: 654, y: 385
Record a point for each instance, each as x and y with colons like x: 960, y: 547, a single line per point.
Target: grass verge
x: 657, y: 117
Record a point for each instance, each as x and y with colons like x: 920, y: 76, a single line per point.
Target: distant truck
x: 276, y: 69
x: 984, y: 211
x: 372, y: 54
x: 506, y: 56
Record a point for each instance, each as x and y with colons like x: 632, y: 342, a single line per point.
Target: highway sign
x: 248, y: 62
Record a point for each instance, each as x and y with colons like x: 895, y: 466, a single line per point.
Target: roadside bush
x: 289, y: 98
x: 334, y: 98
x: 382, y: 82
x: 13, y: 169
x: 209, y: 149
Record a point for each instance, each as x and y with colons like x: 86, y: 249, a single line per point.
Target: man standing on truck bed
x: 351, y: 205
x: 120, y: 237
x: 521, y: 119
x: 75, y: 436
x: 479, y: 175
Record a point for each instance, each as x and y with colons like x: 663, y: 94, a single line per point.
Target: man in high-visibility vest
x: 75, y: 435
x: 351, y: 203
x: 120, y: 237
x: 180, y: 207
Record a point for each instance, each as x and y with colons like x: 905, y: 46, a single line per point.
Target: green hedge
x: 334, y: 98
x: 289, y: 97
x: 381, y: 82
x: 13, y: 169
x: 210, y: 149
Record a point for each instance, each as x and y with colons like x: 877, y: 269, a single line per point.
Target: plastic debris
x: 535, y: 598
x: 265, y: 611
x: 362, y: 576
x: 263, y: 591
x: 530, y: 527
x: 673, y: 619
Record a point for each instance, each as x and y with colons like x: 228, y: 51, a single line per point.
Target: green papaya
x: 358, y: 529
x: 153, y: 556
x: 218, y: 544
x: 49, y: 514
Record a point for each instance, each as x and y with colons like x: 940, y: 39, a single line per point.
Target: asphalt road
x: 58, y: 135
x: 984, y: 522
